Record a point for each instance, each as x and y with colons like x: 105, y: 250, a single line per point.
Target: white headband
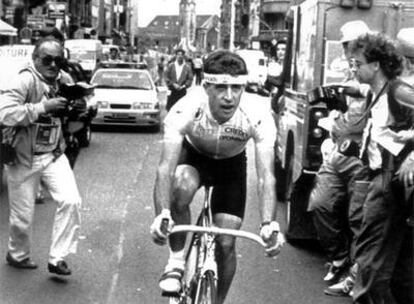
x: 225, y: 79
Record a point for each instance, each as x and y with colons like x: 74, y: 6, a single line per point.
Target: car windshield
x: 122, y: 80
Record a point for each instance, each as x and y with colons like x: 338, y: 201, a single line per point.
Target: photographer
x: 337, y: 196
x: 30, y: 109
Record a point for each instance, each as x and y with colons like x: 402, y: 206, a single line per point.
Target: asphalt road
x: 117, y: 263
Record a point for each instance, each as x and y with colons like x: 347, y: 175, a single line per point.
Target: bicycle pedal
x: 170, y: 294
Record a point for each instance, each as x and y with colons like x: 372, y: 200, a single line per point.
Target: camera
x: 328, y: 95
x: 74, y: 93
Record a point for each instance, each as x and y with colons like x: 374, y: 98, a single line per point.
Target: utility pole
x: 117, y: 15
x: 232, y: 18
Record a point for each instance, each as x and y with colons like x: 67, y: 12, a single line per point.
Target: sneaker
x: 335, y: 273
x: 170, y: 281
x: 341, y: 289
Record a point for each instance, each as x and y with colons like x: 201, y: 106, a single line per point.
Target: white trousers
x: 23, y: 184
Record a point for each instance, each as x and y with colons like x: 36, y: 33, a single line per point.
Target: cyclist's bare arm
x: 163, y: 222
x: 165, y: 173
x: 266, y: 183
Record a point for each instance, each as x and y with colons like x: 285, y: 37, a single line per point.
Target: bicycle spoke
x: 206, y: 290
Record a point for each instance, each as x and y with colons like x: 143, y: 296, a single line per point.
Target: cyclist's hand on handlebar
x: 161, y: 227
x: 271, y: 235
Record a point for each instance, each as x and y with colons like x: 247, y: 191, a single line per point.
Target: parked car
x: 256, y: 62
x: 125, y: 97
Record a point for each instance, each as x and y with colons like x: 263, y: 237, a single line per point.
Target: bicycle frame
x: 203, y: 242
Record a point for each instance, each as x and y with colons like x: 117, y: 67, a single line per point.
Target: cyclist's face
x: 224, y: 99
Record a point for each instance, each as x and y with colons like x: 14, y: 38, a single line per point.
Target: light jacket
x: 20, y: 107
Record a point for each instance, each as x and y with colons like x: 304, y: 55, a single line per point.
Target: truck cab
x: 314, y: 57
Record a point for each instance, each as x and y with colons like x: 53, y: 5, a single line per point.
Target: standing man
x: 338, y: 194
x: 198, y: 69
x: 32, y: 112
x: 178, y: 78
x: 377, y: 63
x: 204, y: 140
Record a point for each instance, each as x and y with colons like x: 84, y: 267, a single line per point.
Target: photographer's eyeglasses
x: 354, y: 64
x: 47, y: 60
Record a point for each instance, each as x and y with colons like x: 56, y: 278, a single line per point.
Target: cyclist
x: 205, y: 136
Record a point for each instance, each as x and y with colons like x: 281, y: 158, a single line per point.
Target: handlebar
x: 219, y: 231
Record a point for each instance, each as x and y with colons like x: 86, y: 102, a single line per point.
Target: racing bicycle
x: 199, y: 282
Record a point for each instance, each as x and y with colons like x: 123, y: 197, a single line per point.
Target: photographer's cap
x: 405, y: 39
x: 353, y: 29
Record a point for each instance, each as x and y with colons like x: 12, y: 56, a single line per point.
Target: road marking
x: 120, y: 246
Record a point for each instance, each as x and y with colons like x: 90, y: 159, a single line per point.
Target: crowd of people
x: 361, y: 202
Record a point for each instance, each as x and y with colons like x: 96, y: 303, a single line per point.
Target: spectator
x: 114, y: 55
x: 160, y: 71
x: 30, y: 110
x: 198, y: 69
x: 178, y: 78
x: 141, y: 61
x: 377, y: 63
x: 402, y: 282
x: 275, y: 67
x: 337, y: 196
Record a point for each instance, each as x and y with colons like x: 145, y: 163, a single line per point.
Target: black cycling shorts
x: 227, y: 176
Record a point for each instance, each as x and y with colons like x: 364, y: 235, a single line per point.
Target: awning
x: 6, y: 29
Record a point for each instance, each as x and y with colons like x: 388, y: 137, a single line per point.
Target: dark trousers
x: 336, y: 204
x: 198, y: 74
x: 174, y: 97
x: 379, y: 244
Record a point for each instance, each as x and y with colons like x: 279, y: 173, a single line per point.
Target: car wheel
x: 85, y: 136
x: 156, y: 128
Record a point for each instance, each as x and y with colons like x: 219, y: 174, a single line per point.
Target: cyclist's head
x: 225, y: 62
x: 225, y: 76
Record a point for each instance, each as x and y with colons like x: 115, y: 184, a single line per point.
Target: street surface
x: 117, y: 263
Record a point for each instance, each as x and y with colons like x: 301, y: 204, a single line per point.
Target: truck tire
x: 299, y: 223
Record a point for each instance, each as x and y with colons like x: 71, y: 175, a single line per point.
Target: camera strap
x: 371, y: 103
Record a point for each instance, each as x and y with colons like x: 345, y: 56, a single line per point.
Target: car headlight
x: 102, y: 104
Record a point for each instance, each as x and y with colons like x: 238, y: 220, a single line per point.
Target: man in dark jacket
x: 178, y: 78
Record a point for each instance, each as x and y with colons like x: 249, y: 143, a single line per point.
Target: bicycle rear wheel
x: 206, y: 289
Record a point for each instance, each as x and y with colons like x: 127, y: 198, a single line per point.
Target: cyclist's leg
x: 225, y: 254
x: 228, y: 206
x: 186, y: 183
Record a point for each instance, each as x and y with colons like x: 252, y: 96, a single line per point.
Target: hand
x: 54, y: 105
x: 271, y: 235
x: 161, y: 227
x: 406, y: 171
x: 405, y: 136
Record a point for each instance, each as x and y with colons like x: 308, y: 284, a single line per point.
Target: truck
x: 88, y: 52
x: 314, y: 58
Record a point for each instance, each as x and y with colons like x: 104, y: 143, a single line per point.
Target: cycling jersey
x: 191, y: 119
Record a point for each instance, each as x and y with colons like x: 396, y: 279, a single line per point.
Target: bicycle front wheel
x: 206, y: 289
